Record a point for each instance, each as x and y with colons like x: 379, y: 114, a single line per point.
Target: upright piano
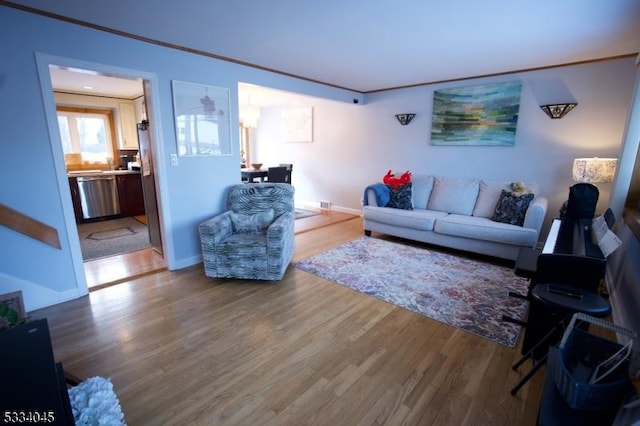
x: 569, y: 257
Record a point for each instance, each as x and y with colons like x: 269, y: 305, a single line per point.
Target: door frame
x: 43, y: 61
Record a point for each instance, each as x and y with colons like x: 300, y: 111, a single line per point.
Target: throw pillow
x: 400, y: 197
x: 251, y: 223
x: 512, y: 208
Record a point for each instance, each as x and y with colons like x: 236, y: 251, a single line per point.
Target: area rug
x: 465, y: 293
x: 111, y: 237
x: 302, y: 213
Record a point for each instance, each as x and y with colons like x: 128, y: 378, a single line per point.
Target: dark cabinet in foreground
x: 33, y: 387
x: 130, y: 194
x: 75, y: 198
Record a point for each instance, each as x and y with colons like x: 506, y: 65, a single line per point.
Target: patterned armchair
x: 254, y: 238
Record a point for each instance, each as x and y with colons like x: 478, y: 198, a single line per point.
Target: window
x: 87, y: 132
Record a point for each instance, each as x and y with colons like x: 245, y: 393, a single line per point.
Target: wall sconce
x: 558, y: 110
x: 405, y: 119
x: 593, y: 170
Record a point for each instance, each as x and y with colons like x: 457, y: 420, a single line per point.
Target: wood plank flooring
x: 112, y: 270
x: 184, y: 349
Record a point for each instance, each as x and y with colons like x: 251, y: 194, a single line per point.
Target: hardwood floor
x: 112, y: 270
x: 181, y: 348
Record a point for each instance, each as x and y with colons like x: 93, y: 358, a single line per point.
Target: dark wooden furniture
x: 75, y: 198
x: 558, y: 303
x: 130, y: 194
x: 33, y: 387
x: 249, y: 175
x: 280, y: 174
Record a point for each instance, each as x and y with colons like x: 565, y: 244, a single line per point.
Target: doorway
x: 136, y: 194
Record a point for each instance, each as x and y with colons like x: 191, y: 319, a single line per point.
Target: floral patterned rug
x: 468, y: 294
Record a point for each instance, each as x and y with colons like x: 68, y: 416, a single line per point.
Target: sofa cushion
x: 488, y: 197
x: 400, y: 197
x: 251, y: 223
x: 423, y: 220
x: 421, y: 191
x: 481, y: 228
x: 454, y: 195
x: 512, y: 208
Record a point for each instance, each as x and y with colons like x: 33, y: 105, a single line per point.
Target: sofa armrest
x: 534, y: 218
x: 216, y: 229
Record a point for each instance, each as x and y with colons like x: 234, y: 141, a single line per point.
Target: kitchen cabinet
x: 128, y: 129
x: 130, y: 194
x: 75, y: 198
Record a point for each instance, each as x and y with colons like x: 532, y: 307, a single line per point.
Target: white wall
x: 355, y: 144
x: 33, y: 173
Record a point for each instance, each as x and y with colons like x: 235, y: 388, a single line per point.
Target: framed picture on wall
x: 202, y: 119
x: 476, y: 115
x: 297, y: 124
x: 11, y: 309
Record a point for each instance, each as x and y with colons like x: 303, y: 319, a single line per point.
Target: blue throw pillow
x: 400, y: 198
x: 512, y: 208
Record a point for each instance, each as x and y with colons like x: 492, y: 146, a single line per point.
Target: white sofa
x: 456, y: 213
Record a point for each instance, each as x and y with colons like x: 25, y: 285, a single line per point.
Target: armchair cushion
x: 251, y: 223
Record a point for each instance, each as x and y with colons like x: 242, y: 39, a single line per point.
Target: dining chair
x: 280, y: 174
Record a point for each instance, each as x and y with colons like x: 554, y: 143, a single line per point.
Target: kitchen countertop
x: 82, y: 173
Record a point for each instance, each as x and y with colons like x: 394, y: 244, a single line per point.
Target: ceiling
x: 73, y: 80
x: 378, y: 44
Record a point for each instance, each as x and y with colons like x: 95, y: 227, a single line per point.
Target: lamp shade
x: 594, y: 170
x: 558, y: 110
x: 405, y: 119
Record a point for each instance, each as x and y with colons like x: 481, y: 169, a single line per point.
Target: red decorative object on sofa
x: 395, y: 182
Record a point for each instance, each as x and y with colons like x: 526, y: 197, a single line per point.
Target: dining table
x: 250, y: 174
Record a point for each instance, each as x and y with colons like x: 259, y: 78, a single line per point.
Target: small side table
x: 527, y: 262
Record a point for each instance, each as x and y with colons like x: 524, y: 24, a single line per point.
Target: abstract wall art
x: 297, y: 124
x: 476, y: 115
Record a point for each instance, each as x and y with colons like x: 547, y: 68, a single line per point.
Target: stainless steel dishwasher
x: 98, y: 196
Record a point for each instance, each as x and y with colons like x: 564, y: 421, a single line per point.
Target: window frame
x: 112, y: 137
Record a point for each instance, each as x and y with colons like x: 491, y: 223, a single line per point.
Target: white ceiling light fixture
x: 249, y: 116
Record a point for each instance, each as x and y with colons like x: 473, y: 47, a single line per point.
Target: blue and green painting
x: 476, y: 115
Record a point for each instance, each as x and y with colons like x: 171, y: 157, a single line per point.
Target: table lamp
x: 594, y: 170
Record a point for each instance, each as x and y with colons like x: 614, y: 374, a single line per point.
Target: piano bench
x: 563, y: 301
x: 570, y: 299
